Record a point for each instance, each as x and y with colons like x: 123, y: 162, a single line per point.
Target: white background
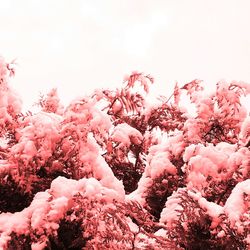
x: 78, y: 46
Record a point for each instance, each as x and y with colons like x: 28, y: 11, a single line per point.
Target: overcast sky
x: 81, y: 45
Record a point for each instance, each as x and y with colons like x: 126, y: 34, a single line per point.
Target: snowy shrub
x: 215, y: 170
x: 195, y: 223
x: 87, y: 215
x: 162, y: 174
x: 114, y: 170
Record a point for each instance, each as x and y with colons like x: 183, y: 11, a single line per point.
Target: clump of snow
x: 189, y: 152
x: 221, y: 234
x: 57, y: 189
x: 37, y: 137
x: 39, y: 245
x: 84, y: 111
x: 94, y: 163
x: 170, y: 213
x: 18, y: 222
x: 38, y: 210
x: 218, y: 162
x: 132, y: 226
x: 159, y: 156
x: 4, y: 238
x: 161, y: 232
x: 100, y: 122
x: 158, y: 164
x: 125, y: 135
x: 176, y: 144
x: 238, y: 202
x: 57, y: 207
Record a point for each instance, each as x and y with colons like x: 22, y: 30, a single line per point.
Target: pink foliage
x: 112, y: 171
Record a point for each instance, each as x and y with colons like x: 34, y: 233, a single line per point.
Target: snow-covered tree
x: 114, y: 170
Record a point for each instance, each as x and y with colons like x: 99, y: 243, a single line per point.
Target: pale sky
x: 78, y: 46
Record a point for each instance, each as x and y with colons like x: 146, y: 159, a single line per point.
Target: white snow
x: 189, y: 152
x: 170, y: 213
x: 18, y: 222
x: 37, y: 136
x: 211, y: 208
x: 161, y: 232
x: 38, y: 245
x: 133, y: 227
x: 160, y: 163
x: 125, y: 134
x: 235, y: 205
x: 218, y: 162
x: 57, y: 207
x: 91, y: 158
